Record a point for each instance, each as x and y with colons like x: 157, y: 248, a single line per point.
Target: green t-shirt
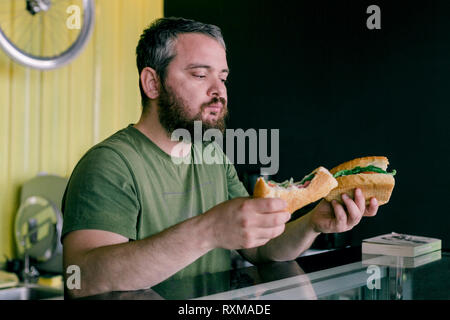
x: 128, y: 185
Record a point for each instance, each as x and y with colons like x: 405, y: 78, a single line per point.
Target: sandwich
x: 369, y: 174
x: 311, y: 188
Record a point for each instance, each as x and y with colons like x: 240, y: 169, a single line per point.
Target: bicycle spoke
x: 41, y: 33
x: 15, y: 16
x: 29, y: 43
x: 10, y: 34
x: 62, y: 38
x: 17, y: 31
x: 44, y: 34
x: 58, y: 30
x: 59, y: 18
x: 53, y: 40
x: 59, y: 3
x: 23, y: 33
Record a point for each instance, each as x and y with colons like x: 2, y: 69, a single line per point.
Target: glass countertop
x: 343, y: 274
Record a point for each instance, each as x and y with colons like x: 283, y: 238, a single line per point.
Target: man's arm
x: 108, y: 262
x: 301, y: 233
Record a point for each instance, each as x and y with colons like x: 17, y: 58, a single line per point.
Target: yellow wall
x: 48, y: 119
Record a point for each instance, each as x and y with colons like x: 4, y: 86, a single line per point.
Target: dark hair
x: 155, y: 48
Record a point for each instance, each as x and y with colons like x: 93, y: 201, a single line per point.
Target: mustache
x: 215, y: 100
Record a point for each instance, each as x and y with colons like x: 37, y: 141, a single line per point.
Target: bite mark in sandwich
x: 311, y: 188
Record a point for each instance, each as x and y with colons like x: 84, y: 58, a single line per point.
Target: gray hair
x: 155, y: 48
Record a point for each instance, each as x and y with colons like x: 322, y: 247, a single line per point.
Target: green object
x: 357, y: 170
x: 283, y: 184
x: 128, y: 185
x: 307, y: 178
x: 38, y: 221
x: 35, y: 229
x: 8, y: 279
x: 290, y: 182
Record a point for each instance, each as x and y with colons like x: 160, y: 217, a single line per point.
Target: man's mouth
x: 214, y: 108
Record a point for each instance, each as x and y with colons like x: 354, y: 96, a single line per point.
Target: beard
x: 172, y: 111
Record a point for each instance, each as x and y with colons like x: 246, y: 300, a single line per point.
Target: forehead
x: 199, y: 48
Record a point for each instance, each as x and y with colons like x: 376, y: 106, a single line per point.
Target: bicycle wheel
x: 45, y: 34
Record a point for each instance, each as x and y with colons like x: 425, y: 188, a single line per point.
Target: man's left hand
x: 334, y: 217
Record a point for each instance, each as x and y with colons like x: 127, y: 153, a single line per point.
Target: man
x: 133, y: 217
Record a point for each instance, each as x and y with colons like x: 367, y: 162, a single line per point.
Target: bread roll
x: 378, y: 185
x: 295, y: 197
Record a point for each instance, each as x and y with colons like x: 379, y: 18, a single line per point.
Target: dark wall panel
x: 337, y: 90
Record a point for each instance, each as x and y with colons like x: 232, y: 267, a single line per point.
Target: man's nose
x: 217, y: 89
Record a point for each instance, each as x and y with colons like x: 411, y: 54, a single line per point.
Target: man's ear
x: 150, y: 82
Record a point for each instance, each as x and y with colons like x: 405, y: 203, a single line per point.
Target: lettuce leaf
x: 358, y: 169
x: 290, y: 182
x: 307, y: 178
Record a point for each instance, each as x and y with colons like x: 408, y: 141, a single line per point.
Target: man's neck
x: 150, y: 126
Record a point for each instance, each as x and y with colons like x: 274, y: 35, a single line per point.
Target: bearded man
x: 133, y: 217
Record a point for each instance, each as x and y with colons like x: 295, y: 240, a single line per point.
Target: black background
x: 337, y: 90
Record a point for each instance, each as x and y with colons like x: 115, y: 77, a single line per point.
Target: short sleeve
x: 235, y: 186
x: 101, y: 195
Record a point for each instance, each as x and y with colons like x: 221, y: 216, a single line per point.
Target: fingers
x: 265, y: 205
x: 267, y: 220
x: 360, y: 200
x: 346, y: 218
x: 269, y: 233
x: 263, y: 213
x: 372, y: 209
x: 355, y: 209
x: 256, y: 237
x: 259, y: 220
x: 340, y: 216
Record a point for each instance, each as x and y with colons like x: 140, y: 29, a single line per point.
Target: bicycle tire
x: 62, y: 59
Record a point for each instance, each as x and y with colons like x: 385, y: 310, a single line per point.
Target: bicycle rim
x: 15, y: 50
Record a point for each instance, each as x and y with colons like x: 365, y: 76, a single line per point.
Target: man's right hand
x: 234, y: 224
x: 244, y: 223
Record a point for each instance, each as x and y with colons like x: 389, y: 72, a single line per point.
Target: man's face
x: 194, y: 87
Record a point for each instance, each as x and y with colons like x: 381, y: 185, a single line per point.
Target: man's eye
x: 199, y: 76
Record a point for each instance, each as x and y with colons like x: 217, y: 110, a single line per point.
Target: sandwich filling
x: 368, y: 169
x: 289, y: 184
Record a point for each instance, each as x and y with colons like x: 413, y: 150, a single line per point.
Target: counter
x: 335, y: 275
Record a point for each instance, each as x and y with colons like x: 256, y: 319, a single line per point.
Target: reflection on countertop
x: 334, y: 275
